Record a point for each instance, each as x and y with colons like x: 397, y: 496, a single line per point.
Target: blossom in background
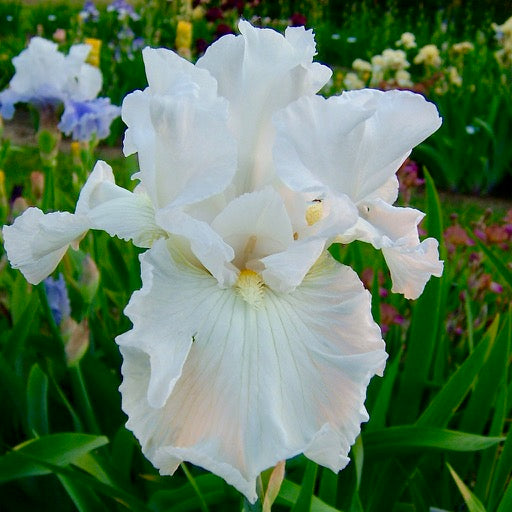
x: 46, y: 77
x: 94, y: 55
x: 407, y: 40
x: 123, y: 9
x: 504, y: 37
x: 183, y: 41
x: 428, y: 56
x: 57, y: 296
x: 89, y: 12
x: 463, y: 47
x: 85, y: 120
x: 352, y: 81
x: 250, y: 344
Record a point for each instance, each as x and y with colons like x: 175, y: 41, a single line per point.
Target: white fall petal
x: 36, y: 242
x: 211, y: 379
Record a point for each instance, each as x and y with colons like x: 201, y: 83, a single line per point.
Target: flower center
x: 249, y: 286
x: 314, y: 213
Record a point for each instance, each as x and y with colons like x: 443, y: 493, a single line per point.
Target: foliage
x: 439, y: 431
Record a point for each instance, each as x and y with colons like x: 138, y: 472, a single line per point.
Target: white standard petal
x: 35, y: 243
x: 170, y: 74
x: 353, y: 143
x: 205, y: 243
x: 260, y: 72
x: 165, y: 131
x: 255, y: 225
x: 210, y: 379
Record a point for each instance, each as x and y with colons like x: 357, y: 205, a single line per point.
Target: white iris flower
x: 250, y: 344
x: 44, y: 76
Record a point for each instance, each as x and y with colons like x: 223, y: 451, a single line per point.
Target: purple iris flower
x: 89, y: 11
x: 57, y: 296
x: 84, y: 119
x: 123, y: 9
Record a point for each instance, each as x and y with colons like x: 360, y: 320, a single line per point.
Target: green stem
x: 83, y: 397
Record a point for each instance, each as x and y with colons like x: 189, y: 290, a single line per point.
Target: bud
x: 37, y: 184
x: 76, y: 339
x: 19, y: 205
x: 59, y: 35
x: 90, y: 279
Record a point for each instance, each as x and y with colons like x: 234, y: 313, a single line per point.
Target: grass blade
x: 408, y: 439
x: 445, y: 403
x: 472, y: 502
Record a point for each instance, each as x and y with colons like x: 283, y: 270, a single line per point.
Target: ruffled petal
x: 395, y: 231
x: 119, y: 212
x: 205, y: 244
x: 164, y: 130
x: 310, y: 154
x: 353, y: 143
x: 170, y: 74
x: 412, y: 267
x: 272, y: 71
x: 279, y: 274
x: 210, y: 379
x: 35, y: 243
x: 255, y: 225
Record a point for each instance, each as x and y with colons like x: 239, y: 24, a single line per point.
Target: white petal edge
x: 239, y: 402
x: 412, y: 267
x: 35, y: 243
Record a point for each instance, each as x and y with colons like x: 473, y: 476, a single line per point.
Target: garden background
x: 439, y: 431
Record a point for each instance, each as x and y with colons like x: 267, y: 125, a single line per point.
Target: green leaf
x: 56, y: 449
x: 37, y: 401
x: 445, y: 403
x: 328, y: 486
x: 381, y: 407
x: 83, y: 497
x: 16, y: 340
x: 184, y: 499
x: 195, y: 486
x: 410, y: 439
x: 506, y: 502
x: 289, y: 495
x: 424, y: 331
x: 303, y: 503
x: 472, y: 502
x: 502, y: 472
x: 493, y: 372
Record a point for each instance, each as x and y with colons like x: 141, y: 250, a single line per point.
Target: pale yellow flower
x: 407, y: 40
x: 362, y: 66
x: 429, y: 56
x: 403, y: 78
x: 454, y: 77
x: 352, y: 81
x: 395, y: 59
x: 463, y: 47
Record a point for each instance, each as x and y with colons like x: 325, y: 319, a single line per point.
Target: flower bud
x: 37, y: 184
x: 76, y: 339
x: 90, y: 279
